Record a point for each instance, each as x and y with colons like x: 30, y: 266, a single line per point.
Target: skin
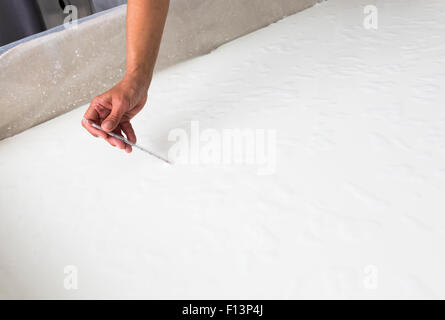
x: 114, y: 109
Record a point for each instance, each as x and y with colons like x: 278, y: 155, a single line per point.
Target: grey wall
x: 100, y: 5
x: 19, y: 19
x: 53, y: 14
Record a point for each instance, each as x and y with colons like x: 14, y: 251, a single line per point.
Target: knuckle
x: 118, y: 99
x: 95, y: 101
x: 99, y: 100
x: 113, y: 117
x: 122, y: 100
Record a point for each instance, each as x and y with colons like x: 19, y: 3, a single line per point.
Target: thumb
x: 119, y: 106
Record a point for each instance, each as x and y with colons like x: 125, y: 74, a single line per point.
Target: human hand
x: 114, y: 109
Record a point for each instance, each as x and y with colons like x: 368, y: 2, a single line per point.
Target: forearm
x: 145, y: 25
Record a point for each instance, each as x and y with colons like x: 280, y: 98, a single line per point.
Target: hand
x: 114, y: 109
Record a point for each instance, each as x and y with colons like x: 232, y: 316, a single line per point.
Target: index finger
x: 92, y: 115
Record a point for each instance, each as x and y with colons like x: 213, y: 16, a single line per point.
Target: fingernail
x: 107, y: 125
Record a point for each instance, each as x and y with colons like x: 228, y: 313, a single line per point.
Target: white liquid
x: 355, y: 208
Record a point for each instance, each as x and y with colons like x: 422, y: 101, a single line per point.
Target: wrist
x: 139, y: 78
